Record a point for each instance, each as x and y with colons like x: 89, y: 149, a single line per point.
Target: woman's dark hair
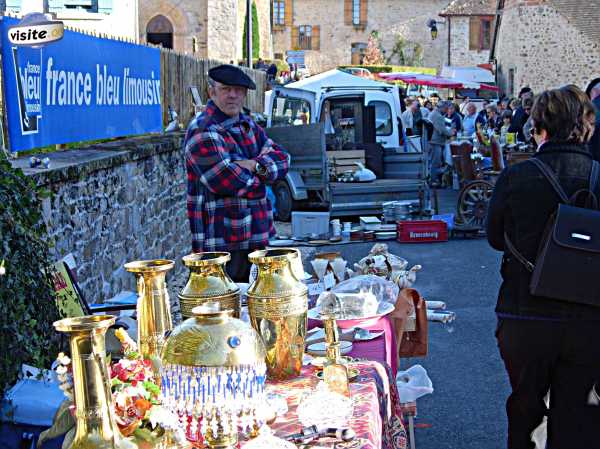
x: 566, y: 114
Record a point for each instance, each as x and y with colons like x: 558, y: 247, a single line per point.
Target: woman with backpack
x: 548, y: 306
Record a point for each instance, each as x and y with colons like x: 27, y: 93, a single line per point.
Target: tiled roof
x: 583, y: 15
x: 470, y: 8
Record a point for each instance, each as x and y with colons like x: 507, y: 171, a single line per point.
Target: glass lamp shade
x: 213, y: 376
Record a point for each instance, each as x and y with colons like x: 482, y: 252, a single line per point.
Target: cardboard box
x: 370, y: 223
x: 305, y: 224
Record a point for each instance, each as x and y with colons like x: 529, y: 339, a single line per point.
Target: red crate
x: 425, y: 231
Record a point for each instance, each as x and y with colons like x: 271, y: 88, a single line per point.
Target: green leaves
x: 26, y: 294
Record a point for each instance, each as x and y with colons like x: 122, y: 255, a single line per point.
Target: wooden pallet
x: 344, y: 160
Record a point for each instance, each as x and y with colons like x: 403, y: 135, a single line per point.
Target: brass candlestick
x: 96, y: 426
x: 153, y: 307
x: 335, y: 373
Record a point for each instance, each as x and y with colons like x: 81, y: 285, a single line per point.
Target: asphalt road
x: 466, y: 409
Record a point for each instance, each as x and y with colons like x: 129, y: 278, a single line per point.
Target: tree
x: 409, y: 53
x: 373, y: 53
x: 255, y: 34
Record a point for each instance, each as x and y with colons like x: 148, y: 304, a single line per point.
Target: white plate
x: 321, y: 348
x: 287, y: 242
x: 371, y: 336
x: 385, y: 308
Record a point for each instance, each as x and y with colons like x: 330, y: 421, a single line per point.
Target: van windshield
x: 290, y: 111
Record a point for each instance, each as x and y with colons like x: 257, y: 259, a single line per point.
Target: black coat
x: 521, y: 205
x: 517, y: 122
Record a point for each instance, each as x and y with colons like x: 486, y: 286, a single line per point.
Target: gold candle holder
x: 153, y: 306
x: 95, y: 420
x: 335, y: 373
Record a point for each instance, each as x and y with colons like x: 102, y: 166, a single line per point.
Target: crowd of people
x: 509, y: 119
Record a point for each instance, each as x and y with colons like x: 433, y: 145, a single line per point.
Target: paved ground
x: 466, y: 410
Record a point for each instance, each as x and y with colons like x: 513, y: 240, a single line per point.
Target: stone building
x: 208, y: 28
x: 117, y: 18
x: 546, y: 43
x: 336, y: 32
x: 470, y: 28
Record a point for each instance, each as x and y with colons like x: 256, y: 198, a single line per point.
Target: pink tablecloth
x: 382, y: 349
x: 377, y: 415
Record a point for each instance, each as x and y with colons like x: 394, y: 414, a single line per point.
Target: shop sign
x: 295, y: 57
x: 77, y: 89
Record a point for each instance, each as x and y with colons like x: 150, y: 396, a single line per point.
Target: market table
x: 382, y: 349
x: 376, y: 419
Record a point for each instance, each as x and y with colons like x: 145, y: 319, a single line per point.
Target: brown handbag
x: 412, y: 343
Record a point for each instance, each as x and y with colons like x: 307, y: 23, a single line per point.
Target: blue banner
x: 79, y: 88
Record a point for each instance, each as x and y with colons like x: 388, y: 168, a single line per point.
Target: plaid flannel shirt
x: 227, y: 205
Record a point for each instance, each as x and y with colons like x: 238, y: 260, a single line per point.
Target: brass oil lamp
x: 213, y: 377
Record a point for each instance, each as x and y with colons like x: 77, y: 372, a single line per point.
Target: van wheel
x: 284, y: 202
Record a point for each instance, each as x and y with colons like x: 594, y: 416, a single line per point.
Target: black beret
x: 524, y: 90
x: 231, y: 75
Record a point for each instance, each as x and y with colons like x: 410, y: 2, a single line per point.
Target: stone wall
x: 114, y: 203
x: 543, y: 48
x: 217, y: 25
x: 187, y: 22
x: 460, y: 55
x: 391, y: 18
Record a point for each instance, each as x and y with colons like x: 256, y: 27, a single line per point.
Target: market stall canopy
x: 335, y: 78
x: 435, y: 81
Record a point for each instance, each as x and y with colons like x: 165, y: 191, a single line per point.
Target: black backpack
x: 567, y: 266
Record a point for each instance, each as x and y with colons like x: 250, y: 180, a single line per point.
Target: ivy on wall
x: 255, y: 34
x: 27, y: 298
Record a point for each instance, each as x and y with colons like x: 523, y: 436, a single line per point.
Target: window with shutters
x: 279, y: 12
x: 356, y: 12
x: 305, y: 37
x: 480, y: 33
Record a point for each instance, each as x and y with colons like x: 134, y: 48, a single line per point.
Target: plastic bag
x: 358, y: 297
x: 382, y: 289
x: 413, y: 384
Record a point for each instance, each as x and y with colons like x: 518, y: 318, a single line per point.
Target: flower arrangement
x: 136, y: 399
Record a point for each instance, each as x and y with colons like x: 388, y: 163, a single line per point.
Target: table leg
x: 411, y: 431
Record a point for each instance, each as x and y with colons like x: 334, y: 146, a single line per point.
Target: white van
x: 333, y: 98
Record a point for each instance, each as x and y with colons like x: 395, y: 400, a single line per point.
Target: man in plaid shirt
x: 229, y: 161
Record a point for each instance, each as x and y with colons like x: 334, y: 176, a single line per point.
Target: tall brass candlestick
x: 96, y: 426
x: 153, y: 307
x: 335, y: 373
